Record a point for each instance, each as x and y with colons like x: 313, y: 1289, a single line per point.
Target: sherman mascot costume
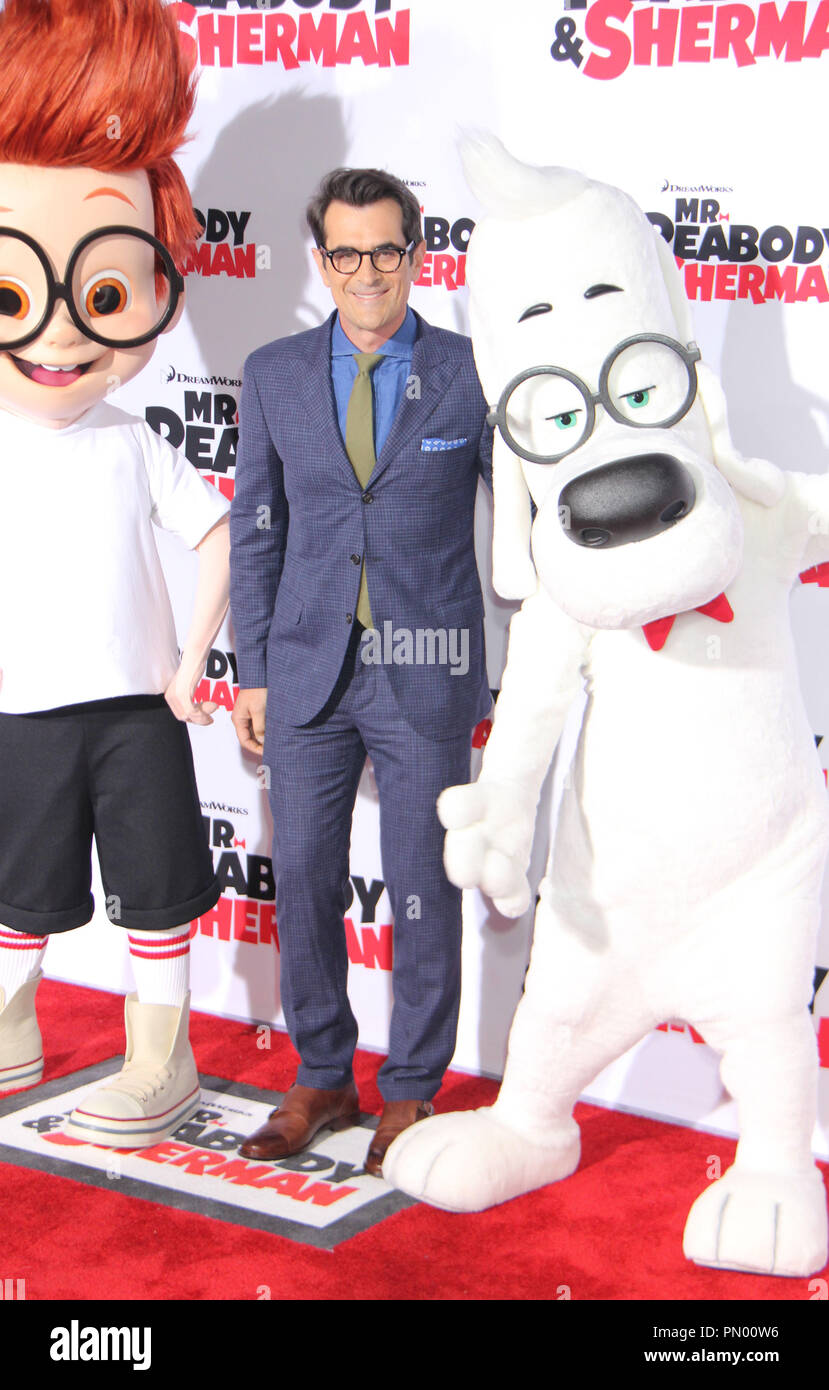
x: 95, y: 220
x: 685, y: 871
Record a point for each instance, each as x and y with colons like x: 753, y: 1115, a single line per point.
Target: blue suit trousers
x: 315, y: 770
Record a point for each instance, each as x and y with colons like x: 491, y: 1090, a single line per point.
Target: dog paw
x: 469, y: 1161
x: 767, y: 1223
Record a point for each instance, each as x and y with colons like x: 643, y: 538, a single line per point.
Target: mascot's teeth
x: 47, y: 368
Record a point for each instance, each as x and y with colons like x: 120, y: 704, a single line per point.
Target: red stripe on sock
x: 161, y: 955
x: 6, y: 944
x: 150, y: 945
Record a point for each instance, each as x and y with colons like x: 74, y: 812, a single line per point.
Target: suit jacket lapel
x: 432, y: 370
x: 315, y: 391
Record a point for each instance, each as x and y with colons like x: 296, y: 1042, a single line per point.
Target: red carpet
x: 612, y: 1232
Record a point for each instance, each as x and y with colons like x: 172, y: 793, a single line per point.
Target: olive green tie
x: 359, y: 445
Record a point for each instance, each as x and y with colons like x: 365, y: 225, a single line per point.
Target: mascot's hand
x: 179, y: 695
x: 489, y: 837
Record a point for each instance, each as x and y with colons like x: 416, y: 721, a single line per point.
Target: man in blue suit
x: 359, y: 629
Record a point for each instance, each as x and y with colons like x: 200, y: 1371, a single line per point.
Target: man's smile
x: 46, y: 375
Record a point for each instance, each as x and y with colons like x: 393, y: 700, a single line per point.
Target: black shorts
x: 119, y: 770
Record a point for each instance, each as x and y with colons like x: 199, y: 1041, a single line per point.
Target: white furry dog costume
x: 687, y: 856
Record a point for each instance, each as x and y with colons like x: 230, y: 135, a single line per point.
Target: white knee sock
x: 161, y: 964
x: 20, y: 957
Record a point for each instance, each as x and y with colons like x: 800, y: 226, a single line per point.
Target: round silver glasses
x: 647, y: 381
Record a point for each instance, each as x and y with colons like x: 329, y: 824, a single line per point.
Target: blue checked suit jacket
x: 299, y: 518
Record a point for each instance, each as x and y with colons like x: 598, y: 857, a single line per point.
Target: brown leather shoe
x: 397, y: 1115
x: 304, y: 1111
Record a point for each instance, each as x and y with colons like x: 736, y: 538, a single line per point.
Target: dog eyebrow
x: 535, y: 309
x: 595, y: 290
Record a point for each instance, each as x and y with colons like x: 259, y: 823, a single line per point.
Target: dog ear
x: 513, y: 572
x: 756, y: 479
x: 680, y: 308
x: 505, y: 186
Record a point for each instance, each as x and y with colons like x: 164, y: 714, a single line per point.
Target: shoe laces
x: 141, y: 1082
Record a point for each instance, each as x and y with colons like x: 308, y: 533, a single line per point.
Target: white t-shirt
x: 84, y: 608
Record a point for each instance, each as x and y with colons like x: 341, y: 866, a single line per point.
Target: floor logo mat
x: 320, y: 1197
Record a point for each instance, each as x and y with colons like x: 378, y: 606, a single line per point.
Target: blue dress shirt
x: 388, y: 378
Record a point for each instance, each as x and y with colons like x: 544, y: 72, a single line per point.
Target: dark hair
x: 359, y: 188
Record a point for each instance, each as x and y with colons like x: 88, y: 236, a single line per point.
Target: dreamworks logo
x: 76, y: 1343
x: 669, y: 187
x: 420, y: 646
x: 171, y: 373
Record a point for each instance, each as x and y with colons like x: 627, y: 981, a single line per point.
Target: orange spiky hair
x: 69, y: 67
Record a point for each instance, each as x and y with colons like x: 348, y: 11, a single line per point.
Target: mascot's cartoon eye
x: 535, y: 309
x: 595, y: 290
x: 106, y: 293
x: 566, y: 420
x: 637, y: 399
x: 14, y: 301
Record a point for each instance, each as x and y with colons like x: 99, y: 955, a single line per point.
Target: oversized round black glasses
x: 347, y: 259
x: 121, y: 287
x: 648, y: 381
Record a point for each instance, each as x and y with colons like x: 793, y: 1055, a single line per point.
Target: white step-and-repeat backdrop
x: 711, y: 116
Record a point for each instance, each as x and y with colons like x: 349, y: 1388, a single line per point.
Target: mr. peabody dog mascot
x: 687, y: 855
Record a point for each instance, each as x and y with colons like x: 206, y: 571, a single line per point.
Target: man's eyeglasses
x: 121, y: 287
x: 347, y: 259
x: 648, y: 381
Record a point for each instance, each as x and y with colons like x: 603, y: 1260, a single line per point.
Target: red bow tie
x: 656, y: 632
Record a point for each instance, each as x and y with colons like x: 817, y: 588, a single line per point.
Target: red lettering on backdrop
x: 280, y: 32
x: 185, y: 14
x: 216, y: 35
x: 655, y: 29
x: 812, y: 286
x: 317, y: 39
x: 357, y: 41
x: 693, y: 33
x: 817, y: 38
x: 699, y: 277
x: 725, y: 282
x: 376, y: 950
x: 217, y: 691
x: 393, y: 40
x: 240, y: 919
x: 249, y: 28
x: 735, y: 24
x: 355, y: 954
x: 750, y: 283
x: 781, y: 284
x: 244, y: 258
x: 781, y: 32
x: 377, y: 947
x: 602, y: 34
x: 683, y: 36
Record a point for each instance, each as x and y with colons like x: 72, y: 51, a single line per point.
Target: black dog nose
x: 631, y: 500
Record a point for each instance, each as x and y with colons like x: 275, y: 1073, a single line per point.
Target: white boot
x: 157, y: 1088
x: 21, y: 1048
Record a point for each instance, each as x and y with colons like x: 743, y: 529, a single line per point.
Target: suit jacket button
x: 368, y: 497
x: 355, y: 559
x: 348, y: 617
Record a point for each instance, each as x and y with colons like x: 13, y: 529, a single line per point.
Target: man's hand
x: 248, y: 719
